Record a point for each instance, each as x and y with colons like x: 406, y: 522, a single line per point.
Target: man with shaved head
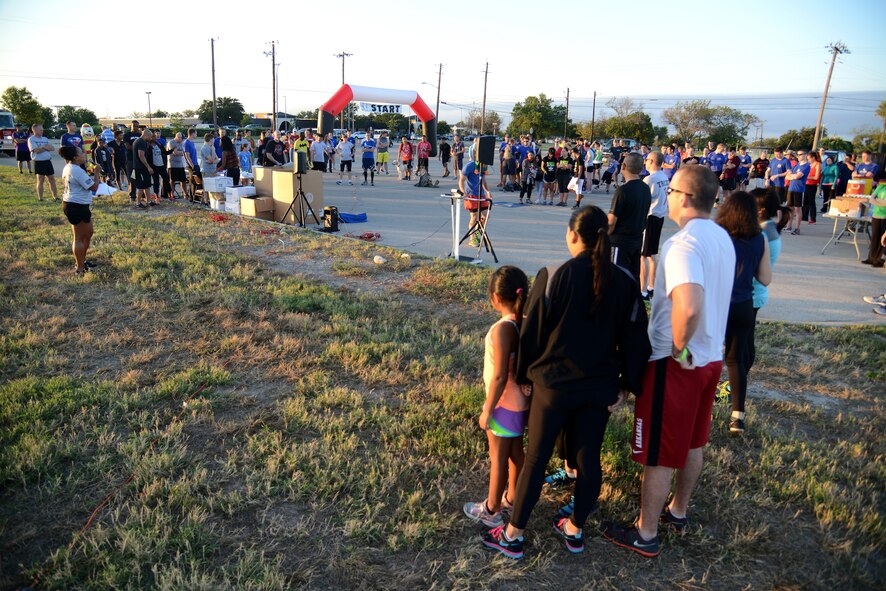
x: 672, y: 419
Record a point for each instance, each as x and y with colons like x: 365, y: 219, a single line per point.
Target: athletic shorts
x: 43, y: 167
x: 795, y: 199
x: 22, y: 155
x: 607, y: 178
x: 728, y: 184
x: 461, y: 162
x: 472, y: 205
x: 383, y: 158
x: 408, y: 164
x: 598, y: 165
x: 651, y: 236
x: 345, y: 164
x: 368, y: 163
x: 444, y: 160
x: 142, y: 179
x: 509, y: 167
x: 321, y: 166
x: 508, y: 423
x: 423, y: 163
x: 673, y: 415
x: 549, y: 178
x: 76, y: 212
x: 177, y: 175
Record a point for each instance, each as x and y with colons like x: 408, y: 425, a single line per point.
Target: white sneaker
x: 878, y: 300
x: 880, y: 310
x: 478, y: 512
x: 351, y: 183
x: 337, y: 182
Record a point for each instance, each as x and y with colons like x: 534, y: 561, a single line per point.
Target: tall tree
x: 689, y: 119
x: 623, y: 105
x: 539, y: 114
x: 78, y: 115
x: 799, y: 139
x: 729, y: 126
x: 228, y: 109
x: 25, y: 108
x: 307, y: 114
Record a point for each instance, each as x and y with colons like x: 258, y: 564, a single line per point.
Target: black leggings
x: 752, y: 347
x: 234, y: 174
x: 739, y: 333
x: 875, y: 252
x: 809, y: 208
x: 827, y: 193
x: 585, y: 424
x: 526, y: 189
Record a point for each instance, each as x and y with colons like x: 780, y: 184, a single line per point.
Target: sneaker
x: 475, y: 241
x: 811, y: 222
x: 495, y: 539
x: 879, y: 300
x: 680, y: 524
x: 651, y: 292
x: 152, y: 204
x: 89, y: 265
x: 630, y: 538
x: 574, y: 544
x: 736, y: 426
x: 479, y: 512
x: 880, y: 310
x: 351, y: 183
x: 363, y: 183
x: 559, y: 479
x: 372, y: 184
x: 644, y: 295
x: 141, y: 206
x: 538, y: 202
x: 506, y: 505
x: 337, y: 182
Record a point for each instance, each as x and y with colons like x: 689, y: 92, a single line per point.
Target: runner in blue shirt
x: 778, y: 168
x: 368, y: 146
x: 866, y: 168
x: 744, y: 168
x: 72, y: 137
x: 797, y: 177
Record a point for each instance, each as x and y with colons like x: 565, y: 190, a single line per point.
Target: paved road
x: 807, y: 286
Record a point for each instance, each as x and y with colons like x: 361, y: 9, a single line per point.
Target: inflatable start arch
x: 348, y: 92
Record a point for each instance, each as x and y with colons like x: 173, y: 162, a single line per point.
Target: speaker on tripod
x: 486, y: 150
x: 300, y: 165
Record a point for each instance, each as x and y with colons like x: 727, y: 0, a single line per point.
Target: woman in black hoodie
x: 583, y: 346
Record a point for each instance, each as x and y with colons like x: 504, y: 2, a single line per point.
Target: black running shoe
x: 630, y: 538
x: 559, y: 479
x: 495, y: 539
x: 736, y: 426
x: 568, y: 509
x: 89, y: 265
x: 574, y: 544
x: 680, y: 524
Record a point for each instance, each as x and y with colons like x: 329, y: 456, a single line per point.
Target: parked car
x: 359, y: 135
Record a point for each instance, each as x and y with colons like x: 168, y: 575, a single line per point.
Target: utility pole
x: 483, y: 112
x: 566, y: 118
x: 150, y: 116
x: 343, y: 55
x: 439, y: 79
x: 837, y: 48
x: 274, y: 81
x: 214, y: 113
x: 593, y: 113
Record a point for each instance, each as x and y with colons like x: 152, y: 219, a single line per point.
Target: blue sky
x: 650, y: 50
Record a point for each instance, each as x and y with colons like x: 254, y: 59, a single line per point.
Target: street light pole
x: 439, y: 79
x: 150, y: 115
x: 214, y: 113
x: 343, y: 55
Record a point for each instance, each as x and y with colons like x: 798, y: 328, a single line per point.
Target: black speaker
x: 330, y: 219
x: 486, y: 150
x: 301, y: 162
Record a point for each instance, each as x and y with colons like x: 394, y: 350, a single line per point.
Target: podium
x: 455, y: 200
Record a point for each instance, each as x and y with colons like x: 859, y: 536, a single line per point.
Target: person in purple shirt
x: 797, y: 177
x: 717, y: 159
x: 22, y: 152
x: 866, y: 169
x: 72, y: 137
x: 778, y: 168
x: 671, y: 161
x: 744, y: 168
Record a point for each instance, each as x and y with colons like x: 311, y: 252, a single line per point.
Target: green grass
x: 333, y: 441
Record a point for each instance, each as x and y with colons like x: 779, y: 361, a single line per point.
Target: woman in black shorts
x: 77, y: 199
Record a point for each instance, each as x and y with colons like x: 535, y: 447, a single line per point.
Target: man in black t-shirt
x: 142, y: 154
x: 274, y: 150
x: 129, y: 138
x: 627, y: 216
x: 445, y: 155
x: 119, y: 151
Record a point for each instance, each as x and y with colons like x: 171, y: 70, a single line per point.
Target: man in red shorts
x: 672, y: 418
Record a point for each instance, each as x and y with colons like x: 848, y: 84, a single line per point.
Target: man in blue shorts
x: 368, y: 146
x: 744, y: 168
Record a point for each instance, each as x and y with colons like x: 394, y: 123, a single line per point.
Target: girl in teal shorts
x: 506, y: 407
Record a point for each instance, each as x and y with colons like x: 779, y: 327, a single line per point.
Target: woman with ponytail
x: 506, y: 407
x: 583, y: 346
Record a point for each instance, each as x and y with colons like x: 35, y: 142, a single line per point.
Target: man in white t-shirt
x: 318, y: 154
x: 672, y: 418
x: 345, y: 151
x: 657, y: 180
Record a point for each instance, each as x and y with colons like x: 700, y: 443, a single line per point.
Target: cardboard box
x: 847, y: 206
x: 254, y: 206
x: 215, y: 203
x: 237, y: 192
x: 217, y: 184
x: 286, y: 187
x: 232, y: 206
x: 264, y: 182
x: 265, y: 215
